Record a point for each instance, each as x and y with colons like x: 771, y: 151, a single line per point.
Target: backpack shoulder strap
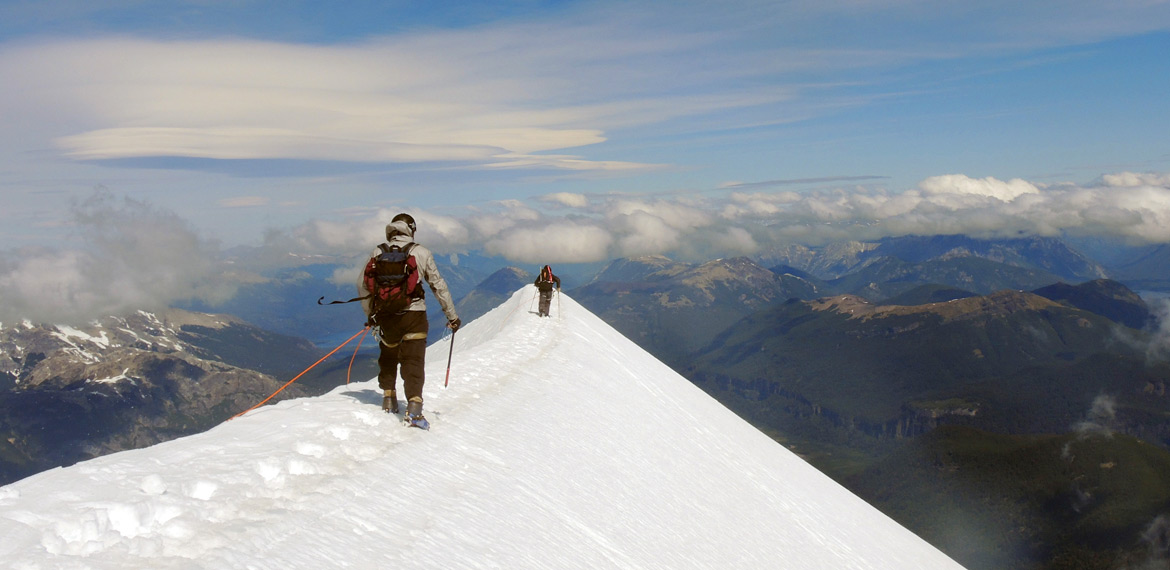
x: 385, y: 247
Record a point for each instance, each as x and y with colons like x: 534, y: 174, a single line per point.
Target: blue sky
x: 575, y: 130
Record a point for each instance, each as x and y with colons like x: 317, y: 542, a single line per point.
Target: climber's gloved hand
x: 454, y: 324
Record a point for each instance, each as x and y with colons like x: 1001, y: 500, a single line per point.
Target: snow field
x: 559, y: 444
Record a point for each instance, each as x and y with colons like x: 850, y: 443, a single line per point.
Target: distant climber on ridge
x: 544, y: 282
x: 397, y: 310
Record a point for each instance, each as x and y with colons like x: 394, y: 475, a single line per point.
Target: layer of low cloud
x: 1133, y: 207
x: 130, y: 255
x: 1137, y: 211
x: 125, y: 255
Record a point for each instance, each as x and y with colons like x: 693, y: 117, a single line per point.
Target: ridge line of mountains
x: 901, y: 368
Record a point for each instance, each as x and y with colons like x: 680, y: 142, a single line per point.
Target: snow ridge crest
x: 559, y: 443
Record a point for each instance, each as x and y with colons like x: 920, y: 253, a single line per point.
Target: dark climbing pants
x: 404, y: 345
x: 545, y: 301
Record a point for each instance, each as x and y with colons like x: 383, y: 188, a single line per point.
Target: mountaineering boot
x: 390, y: 402
x: 414, y: 416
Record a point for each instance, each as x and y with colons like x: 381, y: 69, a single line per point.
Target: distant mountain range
x: 494, y: 290
x: 1049, y: 256
x: 986, y: 361
x: 285, y: 299
x: 672, y: 309
x: 1148, y: 270
x: 668, y: 305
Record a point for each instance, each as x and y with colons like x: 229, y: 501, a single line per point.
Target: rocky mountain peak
x: 852, y: 305
x: 735, y: 269
x: 506, y: 280
x: 73, y: 392
x: 1105, y: 297
x: 998, y: 304
x: 632, y: 269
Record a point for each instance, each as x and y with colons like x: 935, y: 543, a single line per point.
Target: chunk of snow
x: 67, y: 331
x: 113, y: 379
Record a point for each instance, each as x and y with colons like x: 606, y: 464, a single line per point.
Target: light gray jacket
x: 398, y: 233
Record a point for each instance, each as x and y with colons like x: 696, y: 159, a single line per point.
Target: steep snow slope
x: 559, y: 444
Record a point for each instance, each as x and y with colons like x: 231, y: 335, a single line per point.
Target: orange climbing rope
x: 286, y: 384
x: 355, y: 351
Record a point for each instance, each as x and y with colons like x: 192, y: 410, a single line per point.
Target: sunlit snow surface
x: 559, y: 444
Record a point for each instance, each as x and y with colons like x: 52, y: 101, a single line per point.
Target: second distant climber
x: 545, y: 283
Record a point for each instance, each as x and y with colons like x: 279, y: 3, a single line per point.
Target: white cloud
x: 740, y: 223
x: 506, y: 215
x: 960, y: 185
x: 244, y: 142
x: 758, y: 204
x: 499, y: 97
x: 360, y: 231
x: 566, y: 199
x: 553, y: 243
x: 958, y: 204
x: 1130, y: 179
x: 325, y: 236
x: 1158, y: 348
x: 1101, y: 418
x: 677, y: 213
x: 129, y: 256
x: 381, y: 101
x: 735, y: 241
x: 347, y: 275
x: 646, y: 234
x: 442, y: 233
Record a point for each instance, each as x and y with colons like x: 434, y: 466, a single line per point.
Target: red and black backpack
x: 392, y: 279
